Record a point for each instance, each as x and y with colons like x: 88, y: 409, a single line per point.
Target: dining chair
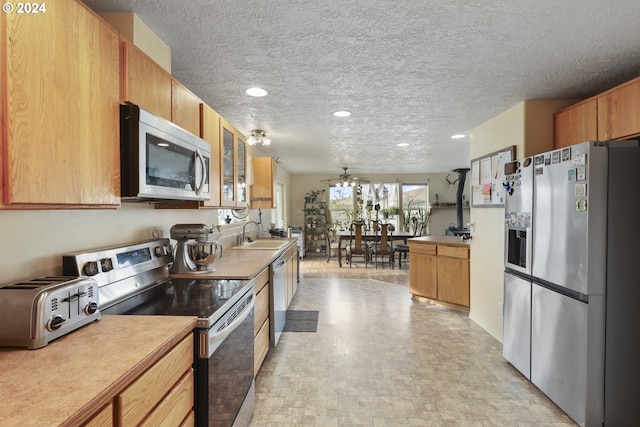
x: 331, y: 244
x: 357, y: 243
x: 383, y: 244
x: 402, y: 249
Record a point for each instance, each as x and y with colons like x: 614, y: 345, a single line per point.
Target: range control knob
x: 106, y: 264
x: 160, y: 251
x: 91, y: 308
x: 90, y: 268
x: 55, y: 322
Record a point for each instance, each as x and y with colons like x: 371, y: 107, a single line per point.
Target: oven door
x: 225, y: 389
x: 161, y: 160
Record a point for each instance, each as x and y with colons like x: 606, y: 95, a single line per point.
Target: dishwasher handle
x: 278, y: 264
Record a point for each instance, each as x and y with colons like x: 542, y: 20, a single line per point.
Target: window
x: 382, y: 199
x: 341, y: 206
x: 415, y: 206
x: 279, y: 211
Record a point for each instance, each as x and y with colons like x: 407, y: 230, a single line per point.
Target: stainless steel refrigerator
x: 580, y: 196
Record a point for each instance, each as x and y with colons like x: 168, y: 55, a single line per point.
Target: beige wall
x: 528, y: 126
x: 133, y: 29
x: 33, y: 242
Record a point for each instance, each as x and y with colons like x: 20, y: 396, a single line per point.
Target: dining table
x: 392, y: 236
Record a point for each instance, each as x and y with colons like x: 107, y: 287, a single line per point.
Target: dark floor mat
x: 301, y: 321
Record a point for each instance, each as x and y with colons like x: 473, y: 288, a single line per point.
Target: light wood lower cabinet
x: 163, y: 394
x: 440, y: 272
x: 261, y: 320
x: 291, y: 272
x: 104, y: 418
x: 423, y: 278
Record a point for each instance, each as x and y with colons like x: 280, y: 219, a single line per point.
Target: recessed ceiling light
x: 403, y: 144
x: 458, y: 136
x: 342, y: 114
x: 256, y: 91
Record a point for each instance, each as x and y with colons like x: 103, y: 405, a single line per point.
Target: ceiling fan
x: 345, y: 179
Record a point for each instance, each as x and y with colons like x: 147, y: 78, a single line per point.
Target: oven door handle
x: 210, y: 341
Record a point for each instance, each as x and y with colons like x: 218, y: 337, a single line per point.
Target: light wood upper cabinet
x: 233, y: 161
x: 576, y: 124
x: 211, y: 133
x: 619, y: 112
x: 262, y: 189
x: 185, y: 108
x: 60, y: 98
x: 242, y: 192
x: 144, y: 82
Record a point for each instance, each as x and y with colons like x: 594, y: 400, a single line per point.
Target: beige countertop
x: 76, y: 375
x: 441, y: 240
x: 240, y: 263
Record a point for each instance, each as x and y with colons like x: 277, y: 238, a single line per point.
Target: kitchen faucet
x: 244, y: 229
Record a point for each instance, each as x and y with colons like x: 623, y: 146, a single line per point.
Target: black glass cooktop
x: 206, y: 299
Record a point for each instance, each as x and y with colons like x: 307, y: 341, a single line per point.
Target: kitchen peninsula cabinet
x: 439, y: 270
x: 262, y: 189
x: 576, y: 124
x: 144, y: 82
x: 60, y: 134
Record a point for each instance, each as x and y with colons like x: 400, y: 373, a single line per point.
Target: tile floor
x: 381, y: 359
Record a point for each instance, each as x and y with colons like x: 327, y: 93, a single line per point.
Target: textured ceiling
x: 413, y: 71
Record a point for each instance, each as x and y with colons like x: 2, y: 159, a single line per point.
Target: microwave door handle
x: 204, y: 171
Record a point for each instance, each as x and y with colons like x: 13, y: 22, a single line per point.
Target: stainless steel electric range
x: 134, y: 280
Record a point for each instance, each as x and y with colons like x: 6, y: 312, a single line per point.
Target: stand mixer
x: 197, y: 248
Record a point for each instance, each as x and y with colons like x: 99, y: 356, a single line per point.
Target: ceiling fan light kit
x: 345, y: 180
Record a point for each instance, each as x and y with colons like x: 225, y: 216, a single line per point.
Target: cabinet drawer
x: 139, y: 398
x: 453, y: 251
x: 175, y: 406
x: 261, y: 280
x: 190, y: 421
x: 103, y: 418
x: 260, y: 347
x: 261, y: 309
x: 421, y: 248
x: 291, y: 252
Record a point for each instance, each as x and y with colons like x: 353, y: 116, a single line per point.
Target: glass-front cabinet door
x: 242, y: 171
x: 228, y: 167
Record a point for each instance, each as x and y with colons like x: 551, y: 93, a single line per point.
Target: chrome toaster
x: 35, y: 312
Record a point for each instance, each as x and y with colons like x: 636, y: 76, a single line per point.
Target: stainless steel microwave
x: 159, y: 160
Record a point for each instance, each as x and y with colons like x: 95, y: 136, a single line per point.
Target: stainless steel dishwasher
x: 279, y: 297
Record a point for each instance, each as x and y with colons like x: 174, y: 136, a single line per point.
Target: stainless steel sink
x: 263, y: 244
